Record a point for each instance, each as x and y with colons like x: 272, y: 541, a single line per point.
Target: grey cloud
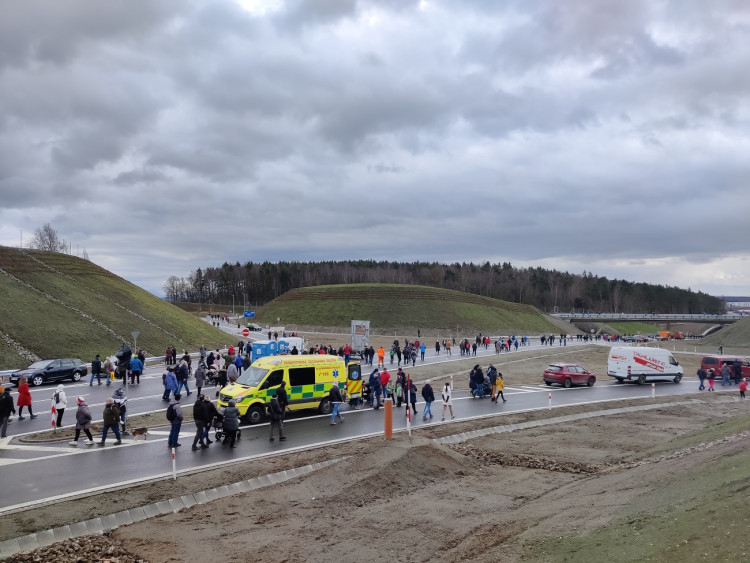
x: 55, y: 32
x: 523, y: 131
x: 384, y: 168
x: 142, y: 176
x: 301, y: 13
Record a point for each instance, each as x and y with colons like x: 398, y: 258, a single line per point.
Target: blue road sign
x: 249, y: 314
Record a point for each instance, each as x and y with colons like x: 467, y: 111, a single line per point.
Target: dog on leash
x: 139, y: 433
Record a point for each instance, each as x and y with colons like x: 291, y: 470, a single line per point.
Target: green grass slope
x: 391, y: 306
x: 735, y: 334
x: 634, y: 327
x: 57, y: 305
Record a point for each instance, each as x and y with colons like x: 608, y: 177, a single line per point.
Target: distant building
x: 738, y: 305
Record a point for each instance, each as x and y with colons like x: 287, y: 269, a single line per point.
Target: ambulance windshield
x: 252, y: 376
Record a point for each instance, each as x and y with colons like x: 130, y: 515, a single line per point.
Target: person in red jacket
x: 385, y: 377
x: 24, y: 399
x: 743, y: 388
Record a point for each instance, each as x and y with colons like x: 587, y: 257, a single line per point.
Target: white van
x: 642, y: 364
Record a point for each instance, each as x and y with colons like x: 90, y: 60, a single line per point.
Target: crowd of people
x: 221, y: 370
x: 730, y: 375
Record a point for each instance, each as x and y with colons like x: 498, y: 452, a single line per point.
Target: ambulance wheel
x: 641, y: 379
x: 325, y: 407
x: 254, y: 415
x: 678, y: 378
x: 567, y: 383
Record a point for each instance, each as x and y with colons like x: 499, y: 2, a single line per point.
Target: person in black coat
x: 702, y: 375
x: 123, y: 356
x: 477, y: 379
x: 377, y: 390
x: 370, y: 391
x: 276, y: 414
x: 199, y: 417
x: 210, y: 413
x: 335, y: 398
x: 6, y: 409
x: 231, y: 423
x: 412, y: 396
x: 283, y: 398
x: 96, y: 371
x: 429, y: 397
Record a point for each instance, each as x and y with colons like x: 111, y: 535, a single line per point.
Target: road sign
x: 249, y: 314
x: 245, y: 332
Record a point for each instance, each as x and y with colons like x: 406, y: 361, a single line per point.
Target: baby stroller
x: 212, y: 376
x: 485, y: 390
x: 218, y: 425
x: 367, y: 395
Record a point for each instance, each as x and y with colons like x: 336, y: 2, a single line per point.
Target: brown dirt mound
x: 528, y: 461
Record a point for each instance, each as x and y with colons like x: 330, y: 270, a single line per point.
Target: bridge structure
x: 653, y: 317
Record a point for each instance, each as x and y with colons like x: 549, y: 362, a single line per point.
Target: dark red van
x: 717, y: 362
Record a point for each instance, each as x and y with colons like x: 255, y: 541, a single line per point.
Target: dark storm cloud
x: 589, y: 135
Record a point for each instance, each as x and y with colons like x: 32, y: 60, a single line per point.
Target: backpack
x: 171, y: 415
x: 57, y: 398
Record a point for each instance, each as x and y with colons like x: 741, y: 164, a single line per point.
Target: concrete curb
x: 110, y: 522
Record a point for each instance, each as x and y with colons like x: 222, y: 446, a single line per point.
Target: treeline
x: 549, y: 290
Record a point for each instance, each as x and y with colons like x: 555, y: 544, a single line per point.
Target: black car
x: 45, y: 371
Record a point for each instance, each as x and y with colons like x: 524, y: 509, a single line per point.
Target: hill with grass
x: 55, y: 305
x: 395, y: 306
x: 735, y: 334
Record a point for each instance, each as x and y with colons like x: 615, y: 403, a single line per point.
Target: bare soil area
x: 669, y: 484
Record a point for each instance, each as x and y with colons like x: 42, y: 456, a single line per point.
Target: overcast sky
x: 608, y: 136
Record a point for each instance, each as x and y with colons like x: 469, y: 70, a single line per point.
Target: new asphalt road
x: 40, y: 472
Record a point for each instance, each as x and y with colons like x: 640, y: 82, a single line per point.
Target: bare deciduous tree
x: 46, y: 238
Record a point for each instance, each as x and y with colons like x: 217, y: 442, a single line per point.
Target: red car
x: 568, y: 375
x: 717, y: 362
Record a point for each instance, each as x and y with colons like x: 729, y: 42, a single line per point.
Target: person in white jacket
x: 61, y: 401
x: 447, y: 399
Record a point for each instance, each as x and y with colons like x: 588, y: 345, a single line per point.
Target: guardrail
x: 650, y: 316
x: 150, y: 360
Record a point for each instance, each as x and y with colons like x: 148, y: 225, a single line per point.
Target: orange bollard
x: 388, y: 419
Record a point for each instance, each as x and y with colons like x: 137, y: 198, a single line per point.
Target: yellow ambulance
x: 308, y: 381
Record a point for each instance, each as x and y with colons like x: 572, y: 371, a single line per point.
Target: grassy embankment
x: 706, y: 519
x: 56, y: 305
x: 635, y: 328
x: 393, y: 307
